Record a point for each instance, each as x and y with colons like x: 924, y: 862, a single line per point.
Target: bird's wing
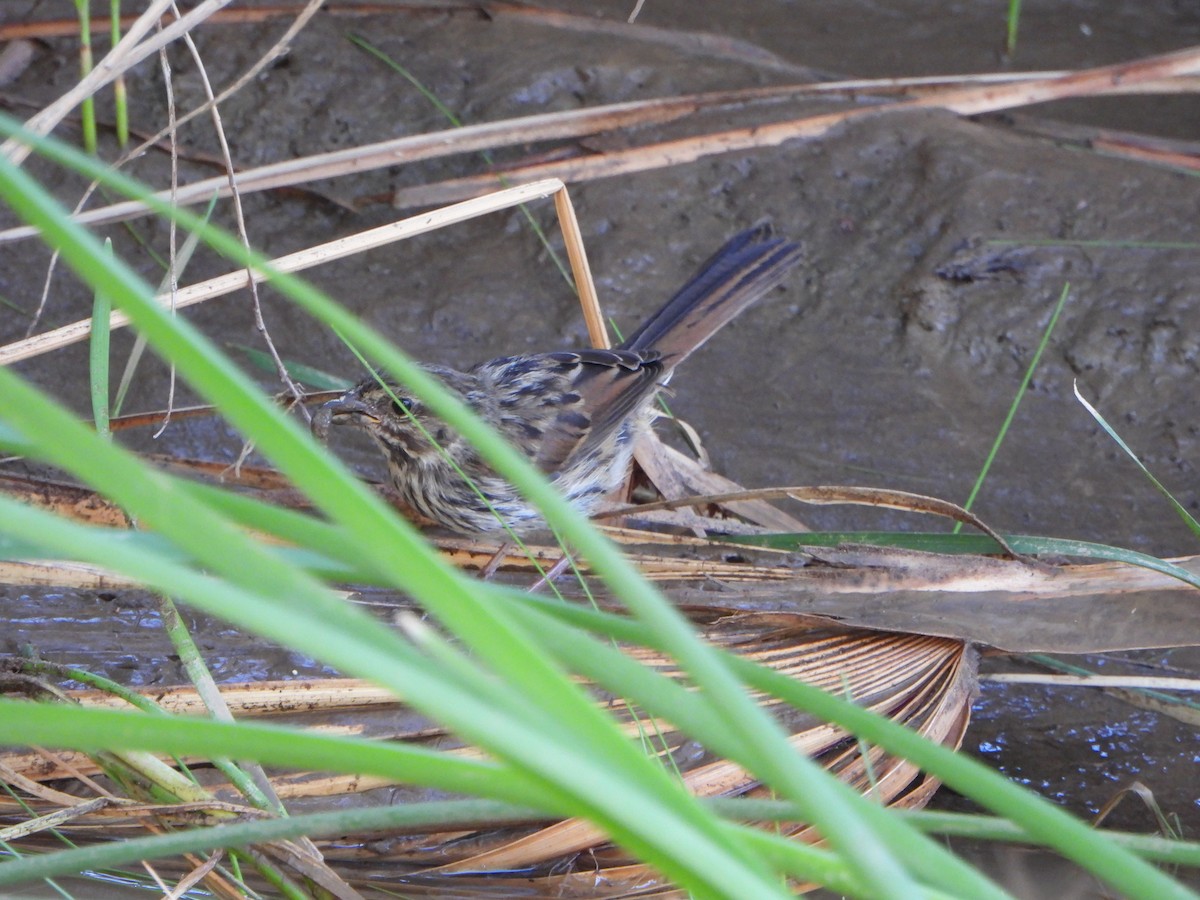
x: 562, y: 404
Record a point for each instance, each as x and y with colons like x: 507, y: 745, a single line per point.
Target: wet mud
x: 936, y: 249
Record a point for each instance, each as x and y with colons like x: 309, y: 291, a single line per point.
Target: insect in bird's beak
x: 348, y: 405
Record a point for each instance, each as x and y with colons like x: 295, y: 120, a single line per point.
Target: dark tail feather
x: 748, y: 266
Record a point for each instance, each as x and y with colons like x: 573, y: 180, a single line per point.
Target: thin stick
x: 295, y: 262
x: 1151, y: 682
x: 582, y: 273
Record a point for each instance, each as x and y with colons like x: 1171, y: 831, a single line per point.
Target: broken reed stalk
x: 337, y: 249
x: 964, y: 101
x: 1170, y: 73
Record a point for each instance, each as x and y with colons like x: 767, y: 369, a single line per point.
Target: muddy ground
x: 936, y: 249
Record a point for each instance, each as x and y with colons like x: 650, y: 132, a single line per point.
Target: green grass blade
x: 1131, y: 876
x: 119, y: 92
x: 1016, y: 402
x: 410, y: 816
x: 1187, y: 517
x: 98, y: 363
x: 1151, y: 847
x: 1012, y: 22
x: 87, y: 109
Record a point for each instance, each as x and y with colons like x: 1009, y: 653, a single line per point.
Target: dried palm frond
x: 924, y: 682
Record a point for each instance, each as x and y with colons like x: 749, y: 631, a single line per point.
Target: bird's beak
x: 348, y: 405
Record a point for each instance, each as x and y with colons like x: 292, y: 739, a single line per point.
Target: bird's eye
x: 404, y: 406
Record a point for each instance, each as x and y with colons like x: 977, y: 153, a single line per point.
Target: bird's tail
x: 748, y: 266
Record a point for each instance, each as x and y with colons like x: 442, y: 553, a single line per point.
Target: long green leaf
x: 1187, y: 517
x: 1016, y: 402
x: 98, y: 355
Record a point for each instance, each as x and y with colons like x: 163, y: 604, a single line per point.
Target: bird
x: 575, y: 414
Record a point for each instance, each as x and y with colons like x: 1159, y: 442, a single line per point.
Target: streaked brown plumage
x: 574, y: 413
